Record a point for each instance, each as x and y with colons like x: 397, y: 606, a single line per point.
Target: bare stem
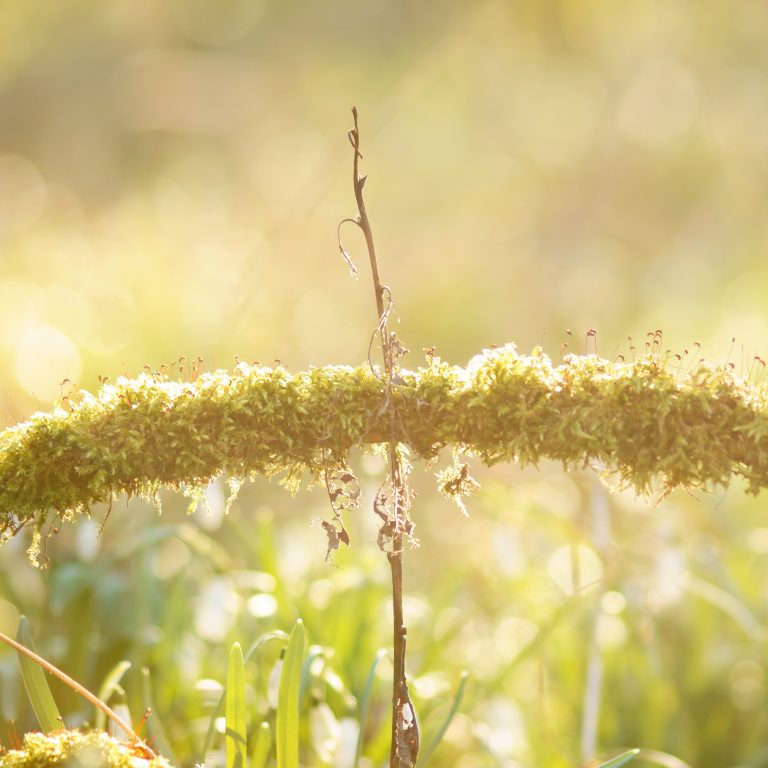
x: 363, y: 222
x: 84, y: 692
x: 405, y: 734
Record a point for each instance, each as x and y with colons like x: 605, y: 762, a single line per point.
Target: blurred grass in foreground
x: 676, y: 617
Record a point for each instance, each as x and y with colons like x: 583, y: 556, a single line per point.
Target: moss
x: 75, y: 749
x: 646, y: 420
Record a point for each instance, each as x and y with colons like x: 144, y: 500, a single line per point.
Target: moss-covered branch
x: 645, y: 419
x: 72, y: 748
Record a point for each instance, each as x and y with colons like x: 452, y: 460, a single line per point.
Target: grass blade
x: 235, y: 738
x: 38, y: 691
x: 209, y: 736
x: 108, y: 687
x: 438, y: 737
x: 314, y: 652
x: 84, y: 692
x: 288, y: 700
x: 262, y: 747
x: 621, y: 759
x: 365, y: 700
x: 154, y: 726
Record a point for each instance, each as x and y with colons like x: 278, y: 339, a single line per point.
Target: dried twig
x: 138, y: 742
x: 395, y: 522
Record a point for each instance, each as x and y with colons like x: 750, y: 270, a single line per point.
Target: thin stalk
x: 84, y: 692
x: 405, y: 734
x: 364, y: 223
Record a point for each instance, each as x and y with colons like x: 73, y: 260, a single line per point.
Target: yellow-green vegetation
x: 646, y: 419
x: 75, y: 748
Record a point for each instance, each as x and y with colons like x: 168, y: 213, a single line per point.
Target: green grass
x: 236, y: 734
x: 481, y: 598
x: 288, y: 700
x: 39, y: 692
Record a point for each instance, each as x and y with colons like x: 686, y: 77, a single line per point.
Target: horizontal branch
x: 648, y: 421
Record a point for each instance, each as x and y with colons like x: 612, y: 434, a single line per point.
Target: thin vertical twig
x: 405, y: 733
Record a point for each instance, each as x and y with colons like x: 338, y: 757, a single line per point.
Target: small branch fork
x: 396, y: 524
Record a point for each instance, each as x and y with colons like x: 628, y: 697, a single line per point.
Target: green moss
x: 646, y: 420
x: 74, y: 749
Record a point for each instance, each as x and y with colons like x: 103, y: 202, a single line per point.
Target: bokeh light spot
x: 43, y: 357
x: 573, y: 568
x: 613, y: 602
x: 262, y: 605
x: 611, y: 632
x: 172, y: 556
x: 23, y: 193
x: 512, y: 635
x: 747, y: 680
x: 758, y: 541
x: 660, y: 104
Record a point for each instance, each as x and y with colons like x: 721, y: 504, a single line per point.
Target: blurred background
x: 171, y: 180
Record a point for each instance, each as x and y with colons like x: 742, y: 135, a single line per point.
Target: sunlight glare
x: 43, y: 357
x: 562, y: 568
x: 23, y: 192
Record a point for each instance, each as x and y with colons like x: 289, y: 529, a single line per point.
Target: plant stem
x: 84, y: 692
x: 405, y: 734
x: 365, y: 224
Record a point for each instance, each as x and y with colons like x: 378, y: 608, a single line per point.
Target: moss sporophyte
x: 649, y: 422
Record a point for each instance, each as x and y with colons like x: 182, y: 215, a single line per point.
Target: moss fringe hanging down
x: 646, y: 420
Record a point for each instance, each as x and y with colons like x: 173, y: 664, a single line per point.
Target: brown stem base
x: 405, y: 731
